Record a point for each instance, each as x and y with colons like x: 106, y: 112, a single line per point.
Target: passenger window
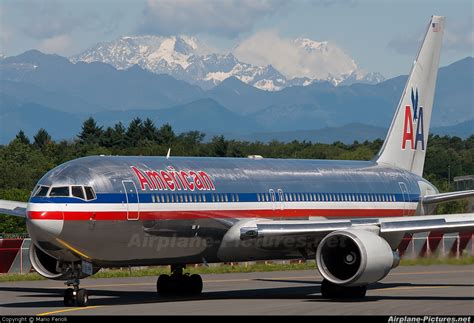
x: 42, y: 191
x: 237, y: 197
x: 77, y: 192
x: 59, y: 191
x: 90, y: 194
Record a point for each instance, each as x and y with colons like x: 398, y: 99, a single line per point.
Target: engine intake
x: 354, y: 257
x: 51, y: 268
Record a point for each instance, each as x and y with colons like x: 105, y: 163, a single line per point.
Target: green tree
x: 149, y: 130
x: 42, y: 138
x: 21, y: 137
x: 134, y: 132
x: 91, y: 133
x: 219, y: 146
x: 166, y: 135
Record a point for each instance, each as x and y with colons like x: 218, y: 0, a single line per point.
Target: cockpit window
x: 77, y: 192
x: 90, y: 195
x: 41, y: 191
x: 59, y: 191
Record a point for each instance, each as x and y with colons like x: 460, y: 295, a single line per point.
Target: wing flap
x: 13, y: 208
x: 414, y: 226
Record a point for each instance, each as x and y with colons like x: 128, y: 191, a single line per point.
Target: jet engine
x: 52, y: 268
x: 355, y: 258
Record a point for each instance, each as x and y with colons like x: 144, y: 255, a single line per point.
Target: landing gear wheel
x: 69, y: 297
x: 334, y: 291
x: 178, y: 283
x: 82, y: 297
x: 195, y: 284
x: 163, y: 284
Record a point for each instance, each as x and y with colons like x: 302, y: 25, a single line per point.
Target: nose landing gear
x: 75, y: 296
x: 178, y: 283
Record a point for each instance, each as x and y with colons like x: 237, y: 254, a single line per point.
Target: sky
x: 381, y: 36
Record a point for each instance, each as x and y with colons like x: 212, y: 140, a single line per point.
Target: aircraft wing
x: 407, y: 224
x: 13, y: 208
x: 447, y: 197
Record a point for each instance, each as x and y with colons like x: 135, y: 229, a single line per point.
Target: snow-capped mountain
x: 186, y: 58
x: 182, y: 57
x: 326, y: 61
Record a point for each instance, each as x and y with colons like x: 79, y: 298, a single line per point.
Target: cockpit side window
x: 59, y: 191
x: 77, y: 191
x: 41, y: 191
x: 90, y: 194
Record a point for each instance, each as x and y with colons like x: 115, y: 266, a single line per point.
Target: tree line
x: 24, y: 161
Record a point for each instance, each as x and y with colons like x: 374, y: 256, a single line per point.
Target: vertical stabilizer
x: 405, y: 144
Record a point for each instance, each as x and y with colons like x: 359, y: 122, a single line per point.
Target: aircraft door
x: 405, y: 195
x: 132, y: 200
x: 272, y: 198
x: 281, y: 198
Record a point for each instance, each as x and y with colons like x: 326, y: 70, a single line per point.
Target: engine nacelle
x: 354, y: 257
x: 51, y: 268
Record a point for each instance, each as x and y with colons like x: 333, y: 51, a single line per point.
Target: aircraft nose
x: 44, y: 224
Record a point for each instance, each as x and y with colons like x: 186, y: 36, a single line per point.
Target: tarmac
x: 407, y: 290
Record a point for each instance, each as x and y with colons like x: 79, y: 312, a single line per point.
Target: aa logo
x: 413, y: 120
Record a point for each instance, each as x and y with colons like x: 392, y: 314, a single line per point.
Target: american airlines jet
x: 110, y: 211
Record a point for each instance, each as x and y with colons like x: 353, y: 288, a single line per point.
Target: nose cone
x: 44, y: 223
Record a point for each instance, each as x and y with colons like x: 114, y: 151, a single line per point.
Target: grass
x: 254, y: 267
x: 466, y: 260
x: 20, y: 277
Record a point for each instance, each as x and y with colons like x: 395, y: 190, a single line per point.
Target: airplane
x: 350, y: 216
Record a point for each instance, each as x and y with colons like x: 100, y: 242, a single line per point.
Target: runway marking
x: 432, y: 272
x: 68, y: 310
x: 409, y: 288
x: 228, y: 280
x: 113, y: 285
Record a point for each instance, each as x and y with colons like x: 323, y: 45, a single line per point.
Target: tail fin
x: 405, y: 145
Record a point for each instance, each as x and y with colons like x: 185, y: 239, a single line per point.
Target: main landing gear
x: 333, y: 291
x: 75, y: 296
x: 178, y: 283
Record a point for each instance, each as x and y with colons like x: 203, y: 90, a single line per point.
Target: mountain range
x: 49, y: 91
x: 188, y: 59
